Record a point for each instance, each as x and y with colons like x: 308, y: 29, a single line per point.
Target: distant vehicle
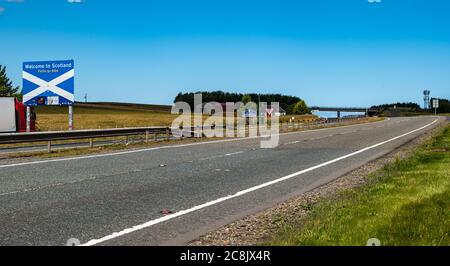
x: 13, y: 116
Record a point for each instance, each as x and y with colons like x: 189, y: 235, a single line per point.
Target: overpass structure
x: 339, y: 110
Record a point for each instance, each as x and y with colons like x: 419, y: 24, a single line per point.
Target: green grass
x: 407, y: 203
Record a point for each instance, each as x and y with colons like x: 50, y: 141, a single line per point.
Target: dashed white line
x: 47, y: 186
x: 234, y: 153
x: 241, y: 193
x: 219, y: 156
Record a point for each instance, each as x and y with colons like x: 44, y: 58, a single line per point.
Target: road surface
x: 118, y: 199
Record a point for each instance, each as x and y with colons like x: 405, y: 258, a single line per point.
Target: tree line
x: 444, y: 106
x: 290, y: 104
x: 6, y: 87
x: 410, y: 105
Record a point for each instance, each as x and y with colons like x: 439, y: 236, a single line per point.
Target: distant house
x: 281, y: 112
x: 276, y: 111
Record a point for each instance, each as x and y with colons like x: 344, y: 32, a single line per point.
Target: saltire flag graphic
x: 48, y: 82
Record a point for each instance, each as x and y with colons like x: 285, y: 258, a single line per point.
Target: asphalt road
x: 117, y: 199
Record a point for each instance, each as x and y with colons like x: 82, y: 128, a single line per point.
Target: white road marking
x: 168, y: 147
x: 47, y: 186
x: 234, y: 153
x: 292, y: 142
x: 208, y: 158
x: 90, y: 179
x: 240, y: 193
x: 220, y: 156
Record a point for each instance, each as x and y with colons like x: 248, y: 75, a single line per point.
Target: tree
x: 300, y: 108
x: 6, y: 87
x: 246, y: 99
x: 286, y: 102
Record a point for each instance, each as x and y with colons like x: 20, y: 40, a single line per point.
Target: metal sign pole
x: 70, y: 117
x: 28, y: 119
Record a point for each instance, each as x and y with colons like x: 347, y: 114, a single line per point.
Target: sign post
x: 70, y: 117
x: 435, y: 105
x: 28, y: 119
x: 49, y: 83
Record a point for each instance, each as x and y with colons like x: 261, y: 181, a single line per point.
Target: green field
x: 103, y: 115
x: 406, y: 204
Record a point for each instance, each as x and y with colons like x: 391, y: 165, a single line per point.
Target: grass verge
x: 407, y: 203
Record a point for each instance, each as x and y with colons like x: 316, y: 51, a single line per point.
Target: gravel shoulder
x: 259, y: 228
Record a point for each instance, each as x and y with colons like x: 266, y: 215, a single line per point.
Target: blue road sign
x: 48, y: 83
x: 249, y: 113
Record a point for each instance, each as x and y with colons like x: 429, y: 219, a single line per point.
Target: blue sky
x: 329, y: 52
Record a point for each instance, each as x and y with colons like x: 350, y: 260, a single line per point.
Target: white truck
x: 8, y: 120
x: 13, y: 116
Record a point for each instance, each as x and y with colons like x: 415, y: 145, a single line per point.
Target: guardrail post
x: 167, y: 133
x: 49, y: 146
x: 70, y: 117
x: 156, y: 137
x: 146, y: 136
x: 91, y: 143
x: 126, y: 140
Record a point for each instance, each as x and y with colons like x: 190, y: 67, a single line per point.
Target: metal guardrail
x: 49, y: 137
x: 319, y: 123
x: 12, y: 138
